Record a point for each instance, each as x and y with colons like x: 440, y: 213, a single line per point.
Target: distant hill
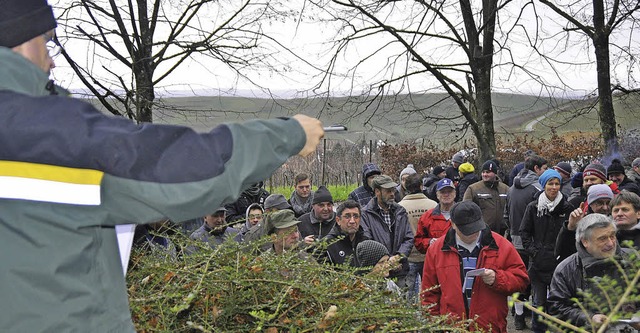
x: 401, y: 118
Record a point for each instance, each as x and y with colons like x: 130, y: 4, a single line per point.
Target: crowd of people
x: 471, y: 235
x: 456, y: 242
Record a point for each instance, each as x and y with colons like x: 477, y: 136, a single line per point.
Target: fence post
x: 324, y: 160
x: 370, y: 150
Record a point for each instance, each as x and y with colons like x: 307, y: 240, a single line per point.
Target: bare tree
x: 450, y: 44
x: 134, y: 45
x: 598, y: 20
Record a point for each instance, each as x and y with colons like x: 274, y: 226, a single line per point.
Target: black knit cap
x: 615, y: 167
x: 322, y: 195
x: 22, y: 20
x: 490, y: 165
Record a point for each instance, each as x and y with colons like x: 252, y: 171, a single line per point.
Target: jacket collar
x: 20, y: 75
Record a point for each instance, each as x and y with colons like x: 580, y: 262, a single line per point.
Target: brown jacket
x: 491, y: 197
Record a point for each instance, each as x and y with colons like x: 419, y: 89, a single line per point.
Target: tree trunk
x: 605, y: 107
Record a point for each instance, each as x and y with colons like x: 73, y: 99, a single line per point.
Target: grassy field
x: 338, y: 192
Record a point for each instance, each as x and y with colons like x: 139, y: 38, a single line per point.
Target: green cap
x: 283, y: 219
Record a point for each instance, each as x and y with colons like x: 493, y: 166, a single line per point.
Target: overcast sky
x: 312, y: 41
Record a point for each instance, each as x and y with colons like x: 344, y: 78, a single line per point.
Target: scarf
x: 298, y: 206
x: 545, y: 205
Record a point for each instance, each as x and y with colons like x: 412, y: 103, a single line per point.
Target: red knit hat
x: 595, y: 169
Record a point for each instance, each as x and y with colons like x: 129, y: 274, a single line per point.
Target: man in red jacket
x: 492, y: 270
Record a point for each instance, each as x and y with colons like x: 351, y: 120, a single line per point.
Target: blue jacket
x: 69, y: 174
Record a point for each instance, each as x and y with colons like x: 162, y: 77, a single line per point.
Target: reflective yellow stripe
x: 51, y: 173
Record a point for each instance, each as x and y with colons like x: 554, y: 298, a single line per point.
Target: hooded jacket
x: 69, y: 174
x: 520, y: 194
x: 442, y: 281
x: 247, y: 224
x: 539, y: 234
x: 236, y: 211
x: 364, y: 193
x: 491, y: 197
x: 571, y: 276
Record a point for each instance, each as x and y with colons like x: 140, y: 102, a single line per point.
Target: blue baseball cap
x: 444, y: 182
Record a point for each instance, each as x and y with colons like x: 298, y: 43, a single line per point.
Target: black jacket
x: 344, y: 248
x: 573, y: 274
x: 538, y: 234
x: 236, y: 211
x: 310, y: 225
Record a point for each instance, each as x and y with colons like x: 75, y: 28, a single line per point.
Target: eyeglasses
x: 350, y: 216
x: 52, y: 46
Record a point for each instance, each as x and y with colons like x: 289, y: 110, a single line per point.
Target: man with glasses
x: 69, y: 174
x: 345, y: 235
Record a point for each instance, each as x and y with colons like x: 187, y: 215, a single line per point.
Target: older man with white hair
x: 597, y: 244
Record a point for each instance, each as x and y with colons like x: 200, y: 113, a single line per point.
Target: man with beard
x: 302, y: 197
x: 491, y: 196
x: 345, y: 235
x: 364, y: 193
x: 386, y: 222
x: 214, y: 230
x: 594, y: 173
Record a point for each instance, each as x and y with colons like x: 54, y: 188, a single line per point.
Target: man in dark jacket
x: 596, y: 244
x: 520, y: 194
x: 214, y: 231
x: 348, y: 232
x: 386, y: 222
x: 236, y: 211
x: 81, y: 173
x: 317, y: 223
x: 625, y: 211
x: 452, y: 171
x: 593, y: 174
x: 468, y: 177
x: 364, y: 193
x: 616, y: 173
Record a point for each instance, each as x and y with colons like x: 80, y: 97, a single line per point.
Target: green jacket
x: 69, y: 174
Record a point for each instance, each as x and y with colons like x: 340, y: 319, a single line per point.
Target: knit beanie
x: 563, y: 168
x: 22, y: 20
x: 438, y: 170
x: 409, y: 170
x: 599, y: 191
x: 615, y: 167
x: 595, y: 169
x: 466, y: 167
x: 457, y: 158
x: 576, y: 180
x: 322, y: 195
x: 490, y: 165
x: 548, y: 175
x: 277, y: 201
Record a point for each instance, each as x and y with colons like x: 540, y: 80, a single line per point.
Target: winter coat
x: 571, y: 276
x: 539, y: 234
x: 520, y: 194
x: 429, y: 184
x: 398, y: 238
x: 310, y: 225
x: 416, y: 205
x: 566, y: 188
x: 61, y: 268
x: 515, y: 171
x: 452, y: 173
x: 236, y: 211
x: 364, y: 193
x: 629, y: 185
x: 431, y: 224
x: 442, y: 280
x: 492, y: 198
x: 466, y: 181
x: 343, y: 249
